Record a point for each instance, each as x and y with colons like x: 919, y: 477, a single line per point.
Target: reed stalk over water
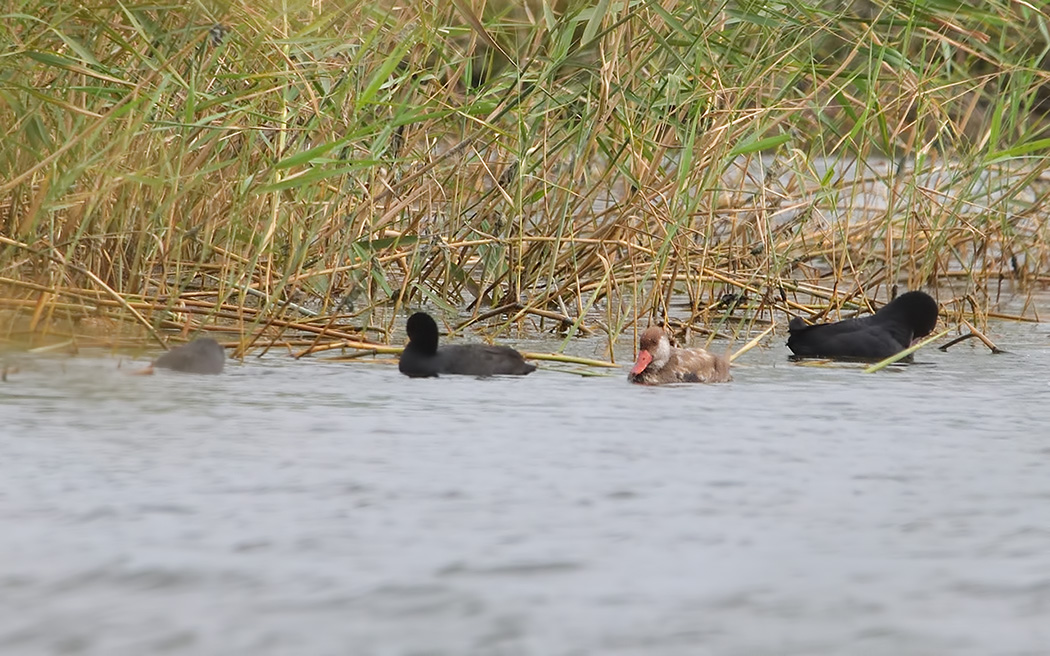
x: 299, y: 173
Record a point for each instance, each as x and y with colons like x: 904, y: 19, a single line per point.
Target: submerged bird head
x: 916, y: 309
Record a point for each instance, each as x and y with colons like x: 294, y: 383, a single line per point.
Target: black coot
x: 422, y: 357
x: 201, y: 356
x: 890, y: 330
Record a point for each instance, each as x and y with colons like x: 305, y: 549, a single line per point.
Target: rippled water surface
x: 317, y: 508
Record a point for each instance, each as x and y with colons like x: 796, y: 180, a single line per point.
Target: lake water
x: 318, y: 508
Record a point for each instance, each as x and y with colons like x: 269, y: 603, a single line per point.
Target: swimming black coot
x: 422, y: 357
x: 890, y: 330
x: 659, y: 362
x: 201, y: 356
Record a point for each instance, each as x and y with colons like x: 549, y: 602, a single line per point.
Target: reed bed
x: 299, y: 174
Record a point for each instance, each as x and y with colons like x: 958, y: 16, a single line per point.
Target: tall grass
x: 303, y: 171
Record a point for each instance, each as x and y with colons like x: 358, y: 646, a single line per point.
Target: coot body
x: 201, y: 356
x: 890, y: 330
x: 659, y: 363
x: 422, y: 358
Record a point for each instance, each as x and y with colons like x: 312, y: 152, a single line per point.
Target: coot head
x: 422, y: 333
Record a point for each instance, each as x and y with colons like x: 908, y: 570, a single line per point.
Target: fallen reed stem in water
x: 568, y: 359
x: 755, y: 341
x: 973, y: 333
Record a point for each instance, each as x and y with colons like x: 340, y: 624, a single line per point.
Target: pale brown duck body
x: 659, y: 363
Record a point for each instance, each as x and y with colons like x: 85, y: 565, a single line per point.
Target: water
x: 318, y: 508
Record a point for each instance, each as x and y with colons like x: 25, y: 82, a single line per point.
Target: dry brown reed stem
x: 568, y: 359
x: 959, y: 339
x: 346, y: 343
x: 58, y: 259
x: 516, y: 311
x: 755, y: 341
x: 1012, y: 317
x: 981, y: 336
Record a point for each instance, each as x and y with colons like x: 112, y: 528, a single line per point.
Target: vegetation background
x: 302, y: 172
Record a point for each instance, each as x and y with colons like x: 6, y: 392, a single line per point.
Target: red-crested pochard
x: 659, y: 363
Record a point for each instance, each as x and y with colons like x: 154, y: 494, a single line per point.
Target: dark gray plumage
x: 908, y: 317
x: 201, y: 356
